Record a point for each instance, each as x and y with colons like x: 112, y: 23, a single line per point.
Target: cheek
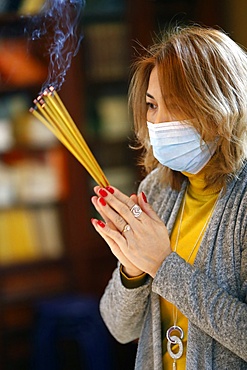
x: 149, y: 116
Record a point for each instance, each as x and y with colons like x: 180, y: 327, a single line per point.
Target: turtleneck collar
x: 197, y: 183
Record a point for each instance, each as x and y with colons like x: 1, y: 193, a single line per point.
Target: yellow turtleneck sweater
x: 198, y: 207
x: 199, y: 204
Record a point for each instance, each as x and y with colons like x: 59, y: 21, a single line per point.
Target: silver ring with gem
x: 136, y: 210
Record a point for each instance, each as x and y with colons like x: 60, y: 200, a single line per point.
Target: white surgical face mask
x: 178, y: 146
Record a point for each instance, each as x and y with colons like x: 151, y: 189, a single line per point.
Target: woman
x: 181, y: 283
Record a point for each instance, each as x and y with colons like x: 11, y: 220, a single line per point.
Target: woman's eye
x: 151, y: 105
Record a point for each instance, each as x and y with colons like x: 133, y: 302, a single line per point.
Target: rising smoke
x: 58, y: 23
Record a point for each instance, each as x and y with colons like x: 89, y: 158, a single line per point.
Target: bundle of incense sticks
x: 50, y: 110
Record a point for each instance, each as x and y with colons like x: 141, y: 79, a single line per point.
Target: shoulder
x: 238, y: 186
x: 232, y: 206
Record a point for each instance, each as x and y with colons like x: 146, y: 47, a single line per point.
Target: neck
x: 198, y: 185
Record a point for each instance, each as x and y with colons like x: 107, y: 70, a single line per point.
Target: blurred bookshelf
x: 106, y: 72
x: 33, y: 192
x: 47, y: 244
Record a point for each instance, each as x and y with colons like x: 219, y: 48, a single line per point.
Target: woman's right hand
x: 128, y: 268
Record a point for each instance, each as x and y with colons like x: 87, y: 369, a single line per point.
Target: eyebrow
x: 149, y: 95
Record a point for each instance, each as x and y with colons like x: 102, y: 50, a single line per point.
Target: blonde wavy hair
x: 205, y: 73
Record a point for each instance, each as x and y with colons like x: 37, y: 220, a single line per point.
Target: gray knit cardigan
x: 212, y: 293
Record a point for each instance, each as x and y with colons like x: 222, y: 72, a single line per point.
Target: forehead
x: 154, y: 89
x: 153, y: 83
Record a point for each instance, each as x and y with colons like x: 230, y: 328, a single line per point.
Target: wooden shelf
x: 33, y: 283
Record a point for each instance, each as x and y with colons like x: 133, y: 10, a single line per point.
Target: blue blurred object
x: 75, y: 319
x: 104, y: 7
x: 9, y: 6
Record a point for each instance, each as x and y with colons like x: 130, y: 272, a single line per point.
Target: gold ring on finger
x: 126, y: 228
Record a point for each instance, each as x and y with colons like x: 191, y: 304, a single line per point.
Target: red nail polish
x: 110, y: 189
x: 144, y: 197
x: 102, y: 201
x: 100, y: 223
x: 103, y: 193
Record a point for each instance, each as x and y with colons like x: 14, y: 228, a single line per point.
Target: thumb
x: 146, y: 207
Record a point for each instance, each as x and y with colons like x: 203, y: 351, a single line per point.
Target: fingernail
x: 102, y: 201
x: 101, y: 224
x: 103, y: 193
x: 133, y: 194
x: 110, y: 189
x: 144, y: 197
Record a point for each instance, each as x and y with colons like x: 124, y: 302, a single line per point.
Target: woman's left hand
x: 145, y: 242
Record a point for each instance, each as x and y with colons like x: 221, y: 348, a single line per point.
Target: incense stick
x: 50, y: 110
